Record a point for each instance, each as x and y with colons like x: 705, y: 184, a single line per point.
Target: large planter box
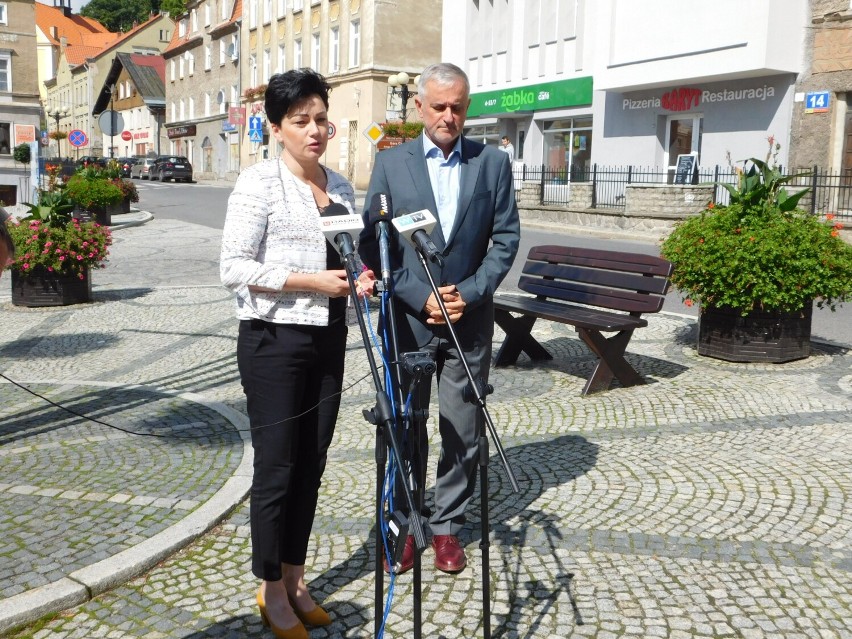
x: 40, y: 287
x: 760, y: 336
x: 102, y: 216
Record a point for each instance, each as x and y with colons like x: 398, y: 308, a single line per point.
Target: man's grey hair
x: 443, y: 73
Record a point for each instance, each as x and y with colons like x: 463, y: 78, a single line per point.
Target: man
x: 507, y: 148
x: 7, y: 246
x: 468, y: 187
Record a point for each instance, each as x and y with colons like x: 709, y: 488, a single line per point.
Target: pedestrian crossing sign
x: 255, y: 135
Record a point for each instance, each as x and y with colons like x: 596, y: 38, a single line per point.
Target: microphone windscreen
x: 381, y: 208
x: 334, y: 209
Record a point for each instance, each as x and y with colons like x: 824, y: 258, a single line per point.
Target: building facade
x: 357, y: 45
x: 19, y: 104
x: 80, y: 78
x: 576, y: 83
x: 203, y: 88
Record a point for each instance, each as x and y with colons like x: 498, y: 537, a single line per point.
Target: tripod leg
x: 381, y: 460
x: 484, y: 542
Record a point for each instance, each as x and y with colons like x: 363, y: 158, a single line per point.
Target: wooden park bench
x: 583, y: 287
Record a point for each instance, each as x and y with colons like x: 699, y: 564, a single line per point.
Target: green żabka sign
x: 535, y: 97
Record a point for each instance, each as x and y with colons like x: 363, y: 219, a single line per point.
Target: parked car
x: 125, y: 164
x: 86, y: 160
x: 171, y: 167
x: 142, y: 168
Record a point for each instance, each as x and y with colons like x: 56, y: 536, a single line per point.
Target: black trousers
x: 292, y: 376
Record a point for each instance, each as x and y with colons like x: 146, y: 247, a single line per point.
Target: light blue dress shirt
x: 445, y: 176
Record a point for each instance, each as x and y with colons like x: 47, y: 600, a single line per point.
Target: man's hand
x: 452, y: 301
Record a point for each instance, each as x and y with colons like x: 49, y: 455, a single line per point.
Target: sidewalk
x: 712, y: 502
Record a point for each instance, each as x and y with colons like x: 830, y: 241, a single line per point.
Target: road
x: 205, y: 205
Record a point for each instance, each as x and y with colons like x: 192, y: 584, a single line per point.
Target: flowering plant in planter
x: 91, y: 191
x: 49, y: 238
x: 128, y: 189
x: 760, y: 252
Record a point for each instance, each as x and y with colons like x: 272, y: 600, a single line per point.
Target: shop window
x: 8, y: 195
x: 568, y: 146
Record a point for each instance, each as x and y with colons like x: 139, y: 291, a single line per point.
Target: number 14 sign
x: 816, y: 102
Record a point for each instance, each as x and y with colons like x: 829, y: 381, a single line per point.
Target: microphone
x: 415, y: 227
x: 381, y: 211
x: 338, y: 225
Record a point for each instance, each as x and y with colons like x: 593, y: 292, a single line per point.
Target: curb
x: 86, y: 583
x: 138, y: 218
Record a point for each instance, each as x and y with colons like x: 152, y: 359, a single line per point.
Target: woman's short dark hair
x: 5, y: 238
x: 291, y: 87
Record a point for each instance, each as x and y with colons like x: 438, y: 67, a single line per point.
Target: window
x: 235, y: 94
x: 191, y: 108
x: 182, y: 28
x: 5, y: 72
x: 5, y: 138
x: 252, y: 14
x: 297, y: 5
x: 267, y: 11
x: 297, y: 54
x: 194, y: 19
x: 181, y: 66
x: 172, y: 70
x: 121, y: 90
x: 282, y: 58
x: 334, y: 51
x: 315, y: 55
x: 252, y: 70
x: 354, y: 43
x: 174, y: 113
x: 568, y: 145
x: 220, y: 99
x: 225, y: 9
x: 182, y: 109
x: 267, y: 64
x: 190, y: 59
x: 206, y: 104
x: 4, y: 15
x: 165, y: 35
x: 207, y: 15
x: 282, y: 8
x: 235, y: 47
x: 208, y: 57
x: 222, y: 53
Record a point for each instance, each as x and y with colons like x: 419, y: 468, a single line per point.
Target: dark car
x: 171, y: 167
x: 125, y: 164
x: 88, y: 160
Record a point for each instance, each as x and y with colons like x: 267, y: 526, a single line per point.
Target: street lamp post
x: 57, y: 114
x: 399, y: 86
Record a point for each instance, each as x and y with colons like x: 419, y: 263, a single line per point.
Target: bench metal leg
x: 611, y: 362
x: 518, y: 338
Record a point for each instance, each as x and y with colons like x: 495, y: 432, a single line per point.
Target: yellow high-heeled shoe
x: 296, y: 632
x: 316, y: 617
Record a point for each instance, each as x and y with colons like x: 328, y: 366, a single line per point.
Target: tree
x: 118, y: 15
x: 173, y: 7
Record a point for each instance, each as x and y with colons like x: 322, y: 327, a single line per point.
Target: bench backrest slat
x: 629, y: 282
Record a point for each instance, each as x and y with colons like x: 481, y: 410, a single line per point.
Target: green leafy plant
x: 90, y: 193
x: 760, y: 251
x: 53, y: 208
x: 22, y: 153
x: 128, y: 189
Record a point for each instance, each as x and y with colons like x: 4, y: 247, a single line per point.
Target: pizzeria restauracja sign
x: 685, y: 98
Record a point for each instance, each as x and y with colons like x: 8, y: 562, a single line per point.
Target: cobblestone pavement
x: 712, y: 502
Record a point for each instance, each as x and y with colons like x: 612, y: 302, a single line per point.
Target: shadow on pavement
x: 54, y: 346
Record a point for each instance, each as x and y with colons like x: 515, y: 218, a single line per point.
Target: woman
x: 291, y: 302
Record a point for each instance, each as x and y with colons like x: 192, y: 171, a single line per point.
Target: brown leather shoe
x: 407, y: 562
x: 449, y: 555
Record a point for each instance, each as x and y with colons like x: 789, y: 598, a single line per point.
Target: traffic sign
x: 374, y: 133
x: 111, y: 122
x: 255, y: 123
x: 77, y: 138
x: 255, y: 135
x: 331, y: 130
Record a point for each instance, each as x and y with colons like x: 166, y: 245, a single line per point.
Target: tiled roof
x: 79, y: 54
x: 76, y: 29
